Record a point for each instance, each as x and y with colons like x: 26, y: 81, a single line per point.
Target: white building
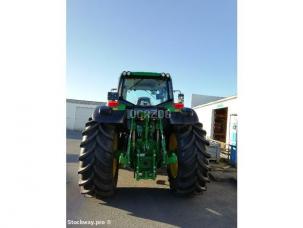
x: 78, y: 112
x: 219, y: 118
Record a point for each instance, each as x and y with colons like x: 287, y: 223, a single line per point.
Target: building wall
x: 205, y: 113
x: 74, y: 118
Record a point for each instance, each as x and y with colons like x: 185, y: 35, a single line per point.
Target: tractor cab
x: 145, y: 89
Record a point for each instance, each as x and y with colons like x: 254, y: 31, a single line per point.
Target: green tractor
x: 144, y: 130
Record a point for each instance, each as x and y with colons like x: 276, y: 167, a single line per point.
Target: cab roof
x: 144, y: 74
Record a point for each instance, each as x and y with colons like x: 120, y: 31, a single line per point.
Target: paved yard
x: 147, y: 203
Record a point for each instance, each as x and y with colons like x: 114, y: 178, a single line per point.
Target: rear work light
x: 179, y: 105
x: 112, y: 104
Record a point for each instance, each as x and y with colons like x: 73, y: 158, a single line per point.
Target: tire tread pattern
x: 96, y: 160
x: 193, y: 165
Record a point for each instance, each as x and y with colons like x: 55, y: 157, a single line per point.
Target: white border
x: 32, y: 92
x: 32, y: 58
x: 270, y: 67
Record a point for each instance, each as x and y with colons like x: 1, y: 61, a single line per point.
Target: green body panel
x: 120, y: 107
x: 146, y: 148
x: 170, y: 107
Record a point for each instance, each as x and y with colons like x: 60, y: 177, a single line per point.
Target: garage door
x: 82, y: 115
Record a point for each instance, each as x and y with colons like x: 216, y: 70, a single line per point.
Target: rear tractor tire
x: 98, y: 168
x: 190, y: 175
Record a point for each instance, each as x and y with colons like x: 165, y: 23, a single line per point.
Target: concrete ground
x: 147, y: 203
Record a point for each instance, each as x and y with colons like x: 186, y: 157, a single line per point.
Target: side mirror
x: 112, y: 96
x: 180, y: 97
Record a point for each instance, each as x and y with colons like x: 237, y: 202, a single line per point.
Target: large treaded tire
x: 193, y: 164
x: 97, y: 177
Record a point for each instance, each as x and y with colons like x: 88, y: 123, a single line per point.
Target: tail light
x: 113, y: 104
x: 179, y: 105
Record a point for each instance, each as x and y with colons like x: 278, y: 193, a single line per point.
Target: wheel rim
x: 173, y: 168
x: 172, y: 146
x: 115, y: 147
x: 114, y: 167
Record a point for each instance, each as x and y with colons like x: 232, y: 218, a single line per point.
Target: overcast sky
x: 193, y: 40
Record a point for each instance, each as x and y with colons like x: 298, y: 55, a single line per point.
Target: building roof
x: 85, y: 102
x: 198, y: 99
x: 217, y: 101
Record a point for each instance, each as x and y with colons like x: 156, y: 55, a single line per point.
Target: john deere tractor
x: 144, y: 129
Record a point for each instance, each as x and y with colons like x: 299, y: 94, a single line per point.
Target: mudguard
x: 186, y: 116
x: 105, y: 114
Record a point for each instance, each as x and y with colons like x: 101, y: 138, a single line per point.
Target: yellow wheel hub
x: 172, y: 146
x: 115, y: 147
x: 114, y: 167
x: 173, y: 169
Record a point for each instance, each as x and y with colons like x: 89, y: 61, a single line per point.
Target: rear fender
x: 186, y: 116
x: 105, y: 114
